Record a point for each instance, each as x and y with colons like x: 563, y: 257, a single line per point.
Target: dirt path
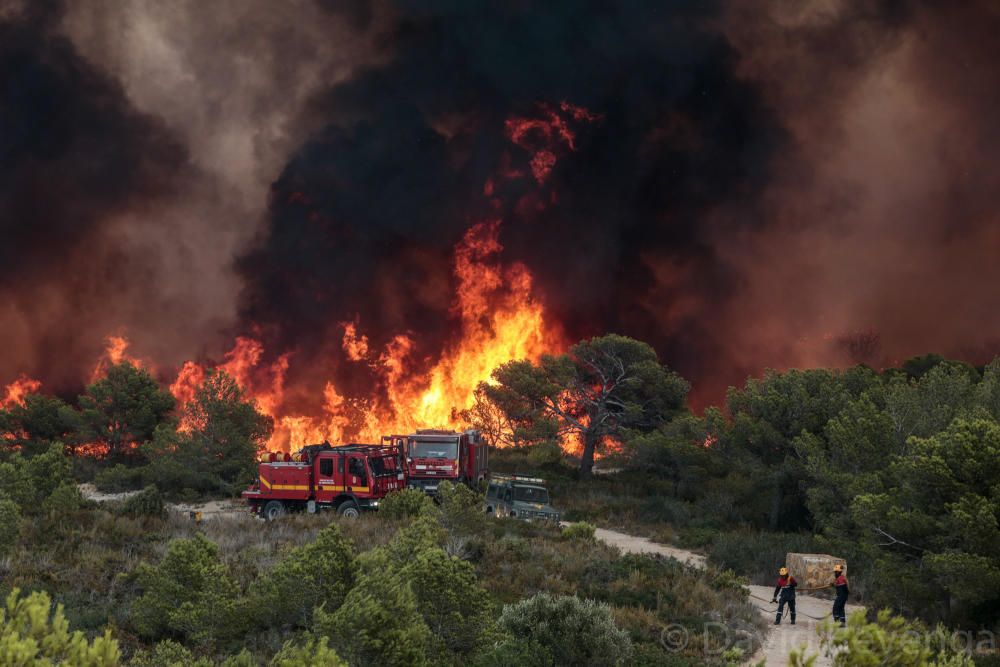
x: 782, y: 639
x: 209, y: 509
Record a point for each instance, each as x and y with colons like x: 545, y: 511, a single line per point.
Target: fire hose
x: 815, y: 618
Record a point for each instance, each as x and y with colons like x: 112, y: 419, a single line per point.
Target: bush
x: 119, y: 478
x: 65, y: 499
x: 319, y: 573
x: 32, y: 634
x: 757, y: 555
x: 147, y: 503
x: 581, y: 531
x: 455, y: 608
x: 574, y: 631
x: 168, y: 654
x: 513, y: 652
x: 461, y: 509
x: 10, y: 525
x: 696, y: 538
x: 889, y: 640
x: 378, y: 624
x: 545, y: 454
x: 189, y: 594
x: 404, y: 504
x: 312, y: 652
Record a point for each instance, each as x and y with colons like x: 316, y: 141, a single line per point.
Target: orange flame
x: 498, y: 316
x: 500, y: 320
x: 18, y: 390
x: 115, y: 352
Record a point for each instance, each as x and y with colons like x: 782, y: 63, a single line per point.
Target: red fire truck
x: 432, y: 456
x: 349, y: 478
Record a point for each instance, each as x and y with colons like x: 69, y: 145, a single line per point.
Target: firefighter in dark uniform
x: 840, y: 583
x: 786, y: 590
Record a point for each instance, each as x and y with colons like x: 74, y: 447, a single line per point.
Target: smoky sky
x: 756, y: 184
x: 74, y: 157
x: 363, y: 218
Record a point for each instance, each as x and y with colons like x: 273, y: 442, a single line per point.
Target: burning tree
x: 122, y: 409
x: 600, y: 389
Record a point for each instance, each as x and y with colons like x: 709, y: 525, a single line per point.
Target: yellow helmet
x: 838, y: 568
x: 783, y: 571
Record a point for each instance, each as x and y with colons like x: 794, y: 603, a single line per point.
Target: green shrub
x: 147, y: 503
x: 757, y: 555
x: 696, y: 538
x: 65, y: 499
x: 889, y: 640
x: 10, y: 524
x: 455, y: 608
x: 581, y: 531
x: 378, y: 623
x: 188, y: 594
x: 461, y: 509
x: 545, y: 454
x: 31, y: 633
x: 513, y: 651
x: 168, y: 654
x: 574, y: 631
x: 119, y: 478
x: 407, y: 503
x: 425, y: 532
x: 312, y: 652
x: 319, y: 573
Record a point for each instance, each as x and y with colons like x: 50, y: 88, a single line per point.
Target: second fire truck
x: 432, y: 456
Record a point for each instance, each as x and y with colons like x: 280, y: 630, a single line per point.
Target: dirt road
x: 782, y: 639
x: 209, y: 509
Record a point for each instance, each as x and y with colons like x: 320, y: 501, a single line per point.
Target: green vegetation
x: 897, y: 471
x: 888, y: 640
x: 440, y: 588
x: 32, y: 633
x: 600, y: 390
x: 573, y: 631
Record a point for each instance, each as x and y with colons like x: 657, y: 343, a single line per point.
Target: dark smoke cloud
x: 772, y: 183
x: 363, y: 219
x: 881, y: 231
x: 139, y: 141
x: 75, y: 161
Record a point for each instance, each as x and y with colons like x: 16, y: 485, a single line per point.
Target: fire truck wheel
x: 273, y: 510
x: 349, y: 509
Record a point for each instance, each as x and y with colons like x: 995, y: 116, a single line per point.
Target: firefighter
x: 786, y: 589
x: 840, y: 583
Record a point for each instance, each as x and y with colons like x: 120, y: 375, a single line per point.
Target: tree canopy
x: 602, y: 389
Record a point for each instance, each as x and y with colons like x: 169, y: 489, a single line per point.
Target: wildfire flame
x: 496, y: 312
x: 115, y: 352
x: 500, y: 320
x: 15, y: 393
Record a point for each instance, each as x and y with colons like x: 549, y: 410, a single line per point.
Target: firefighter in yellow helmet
x: 786, y: 590
x: 840, y: 583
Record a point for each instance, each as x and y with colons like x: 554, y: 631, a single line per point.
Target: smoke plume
x: 742, y: 184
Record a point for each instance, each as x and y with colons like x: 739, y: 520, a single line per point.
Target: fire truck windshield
x: 434, y: 449
x: 531, y: 494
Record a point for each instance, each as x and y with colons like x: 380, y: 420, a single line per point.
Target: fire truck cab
x: 349, y: 479
x: 431, y: 456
